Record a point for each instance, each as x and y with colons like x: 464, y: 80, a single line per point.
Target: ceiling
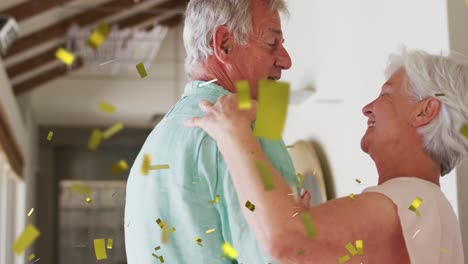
x: 70, y: 96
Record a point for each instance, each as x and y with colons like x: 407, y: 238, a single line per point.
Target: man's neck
x: 209, y: 74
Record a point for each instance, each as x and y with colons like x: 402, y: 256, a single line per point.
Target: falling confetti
x: 107, y: 108
x: 98, y: 36
x: 360, y: 247
x: 301, y: 179
x: 351, y: 196
x: 358, y: 181
x: 114, y: 129
x: 308, y: 224
x: 216, y: 200
x: 440, y: 94
x: 65, y: 56
x: 81, y: 189
x: 100, y: 249
x: 205, y: 83
x: 250, y: 206
x: 109, y: 243
x: 141, y: 70
x: 199, y: 241
x: 94, y: 139
x: 49, y: 136
x: 159, y: 167
x: 464, y: 130
x: 27, y: 237
x: 229, y: 251
x: 31, y: 256
x: 165, y: 234
x: 210, y: 230
x: 243, y: 93
x: 415, y: 205
x: 30, y: 212
x: 119, y: 167
x: 288, y: 146
x: 444, y: 250
x: 88, y: 199
x: 416, y: 233
x: 145, y: 166
x: 272, y: 109
x: 344, y: 259
x: 160, y: 223
x: 351, y: 249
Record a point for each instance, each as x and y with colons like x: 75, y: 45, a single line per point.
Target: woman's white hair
x: 446, y: 78
x: 203, y: 16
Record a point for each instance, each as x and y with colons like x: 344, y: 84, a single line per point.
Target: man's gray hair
x: 203, y: 16
x: 446, y: 78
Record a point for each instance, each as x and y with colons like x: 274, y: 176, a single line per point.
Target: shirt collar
x: 193, y: 87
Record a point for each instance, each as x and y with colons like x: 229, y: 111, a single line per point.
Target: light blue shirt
x: 180, y: 195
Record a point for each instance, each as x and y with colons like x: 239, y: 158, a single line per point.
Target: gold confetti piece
x: 294, y: 215
x: 301, y: 179
x: 119, y: 167
x: 49, y: 136
x: 109, y: 243
x: 250, y: 205
x: 98, y: 36
x: 272, y: 109
x: 31, y: 256
x: 344, y: 259
x: 165, y: 234
x: 358, y: 181
x: 199, y: 241
x: 65, y: 56
x: 159, y: 167
x: 100, y: 248
x: 94, y: 139
x: 157, y: 248
x: 288, y: 146
x: 30, y: 212
x: 154, y: 255
x: 161, y: 259
x: 243, y: 93
x: 415, y: 205
x: 360, y: 247
x: 141, y: 70
x: 267, y: 177
x: 88, y: 199
x: 351, y: 249
x: 112, y: 130
x: 107, y: 108
x: 145, y: 166
x: 205, y: 83
x: 440, y: 94
x: 351, y: 196
x: 216, y: 200
x: 160, y: 223
x: 27, y: 237
x: 210, y: 230
x: 229, y: 251
x: 172, y: 230
x: 464, y: 130
x: 81, y: 189
x: 444, y: 250
x: 308, y: 224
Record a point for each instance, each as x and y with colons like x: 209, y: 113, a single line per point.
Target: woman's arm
x: 371, y: 217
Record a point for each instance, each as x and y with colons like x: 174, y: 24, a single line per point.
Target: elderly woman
x: 412, y: 136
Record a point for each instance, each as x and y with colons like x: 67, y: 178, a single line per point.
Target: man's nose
x: 284, y: 60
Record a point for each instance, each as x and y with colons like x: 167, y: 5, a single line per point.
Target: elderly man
x: 413, y: 136
x: 226, y: 41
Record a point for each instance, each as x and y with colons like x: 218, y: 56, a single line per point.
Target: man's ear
x: 223, y: 44
x: 428, y: 110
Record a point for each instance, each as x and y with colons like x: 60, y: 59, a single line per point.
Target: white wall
x: 341, y: 47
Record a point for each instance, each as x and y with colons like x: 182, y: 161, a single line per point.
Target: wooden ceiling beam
x: 29, y: 9
x: 49, y: 55
x: 60, y: 28
x: 62, y: 70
